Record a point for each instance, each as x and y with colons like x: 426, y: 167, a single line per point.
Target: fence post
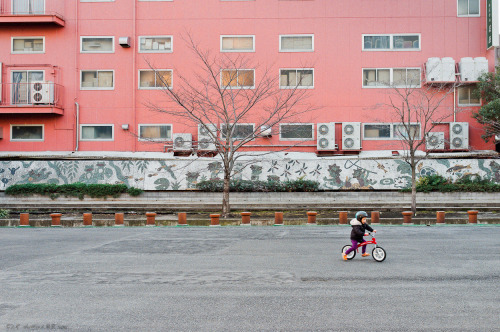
x: 278, y: 218
x: 440, y: 217
x: 343, y: 217
x: 472, y: 216
x: 245, y: 218
x: 181, y: 219
x: 375, y: 217
x: 87, y: 219
x: 150, y: 219
x: 311, y: 217
x: 56, y: 219
x: 214, y: 220
x: 24, y: 220
x: 119, y: 219
x: 407, y: 217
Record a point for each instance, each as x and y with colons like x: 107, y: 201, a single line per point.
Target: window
x: 155, y: 44
x: 237, y: 78
x: 151, y: 79
x: 300, y: 78
x: 237, y: 43
x: 97, y: 80
x: 96, y: 132
x: 97, y: 44
x: 26, y: 133
x: 28, y: 7
x: 394, y: 42
x: 467, y: 96
x: 389, y: 131
x: 296, y: 43
x: 21, y: 85
x: 467, y: 8
x: 241, y: 131
x: 28, y: 45
x: 97, y: 0
x: 391, y: 77
x: 155, y: 132
x: 296, y: 131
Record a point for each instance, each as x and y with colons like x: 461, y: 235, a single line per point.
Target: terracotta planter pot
x: 150, y: 219
x: 278, y: 218
x: 407, y: 217
x: 472, y: 216
x: 245, y: 218
x: 214, y: 220
x: 118, y: 219
x: 182, y: 219
x: 440, y: 217
x: 24, y: 220
x: 56, y: 219
x: 311, y: 217
x: 343, y: 217
x: 87, y: 219
x: 375, y: 217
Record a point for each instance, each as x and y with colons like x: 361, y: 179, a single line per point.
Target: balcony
x: 38, y: 97
x: 22, y: 12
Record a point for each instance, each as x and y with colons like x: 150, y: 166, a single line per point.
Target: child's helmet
x: 360, y: 215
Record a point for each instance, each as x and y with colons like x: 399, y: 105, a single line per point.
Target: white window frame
x: 297, y: 51
x: 25, y: 37
x: 223, y: 137
x: 237, y: 36
x: 458, y: 96
x: 154, y: 125
x: 391, y: 78
x: 44, y: 8
x: 155, y: 87
x: 297, y: 139
x: 97, y: 0
x: 391, y: 42
x: 468, y: 5
x: 237, y: 87
x: 299, y: 86
x: 27, y: 83
x: 156, y: 36
x: 393, y: 135
x: 97, y: 88
x: 27, y: 125
x: 97, y: 125
x: 107, y: 37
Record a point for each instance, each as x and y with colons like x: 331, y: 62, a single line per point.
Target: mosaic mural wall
x: 180, y: 174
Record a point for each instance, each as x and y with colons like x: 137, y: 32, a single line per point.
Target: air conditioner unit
x: 183, y: 142
x: 459, y: 136
x: 42, y: 92
x: 325, y: 136
x: 434, y: 141
x: 480, y: 67
x: 433, y: 69
x: 466, y: 67
x: 448, y: 70
x: 205, y: 139
x: 266, y: 131
x: 351, y: 136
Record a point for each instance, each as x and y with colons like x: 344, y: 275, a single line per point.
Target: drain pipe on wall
x: 454, y: 104
x: 77, y: 125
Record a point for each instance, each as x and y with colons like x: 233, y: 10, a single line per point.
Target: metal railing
x: 32, y: 7
x: 33, y: 94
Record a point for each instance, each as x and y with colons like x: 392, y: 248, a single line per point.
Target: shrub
x: 216, y: 185
x: 73, y: 189
x: 4, y: 213
x: 468, y: 183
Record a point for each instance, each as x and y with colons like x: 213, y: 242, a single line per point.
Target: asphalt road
x: 438, y: 278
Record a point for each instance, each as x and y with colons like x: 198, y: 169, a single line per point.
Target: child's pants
x: 355, y: 245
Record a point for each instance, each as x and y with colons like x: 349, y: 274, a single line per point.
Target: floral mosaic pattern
x: 179, y: 174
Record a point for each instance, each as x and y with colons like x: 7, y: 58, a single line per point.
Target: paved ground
x: 248, y: 279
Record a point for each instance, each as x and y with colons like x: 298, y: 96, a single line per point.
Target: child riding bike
x: 359, y: 226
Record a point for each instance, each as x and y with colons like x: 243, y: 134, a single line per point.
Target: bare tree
x: 417, y: 109
x: 225, y: 94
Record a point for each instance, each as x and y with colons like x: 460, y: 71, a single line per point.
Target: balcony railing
x: 32, y: 11
x: 30, y: 98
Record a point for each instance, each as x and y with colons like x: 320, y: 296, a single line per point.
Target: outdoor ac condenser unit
x: 205, y: 139
x: 351, y: 136
x: 42, y: 92
x: 459, y: 136
x: 183, y: 142
x: 434, y: 141
x: 325, y: 136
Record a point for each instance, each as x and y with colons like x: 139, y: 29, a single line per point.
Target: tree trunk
x: 413, y: 188
x: 225, y: 196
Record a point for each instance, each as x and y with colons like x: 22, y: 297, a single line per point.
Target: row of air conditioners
x: 443, y: 69
x: 459, y: 138
x: 42, y: 92
x: 351, y: 136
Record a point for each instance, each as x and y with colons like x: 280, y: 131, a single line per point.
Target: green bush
x: 4, y: 213
x: 73, y: 189
x: 216, y: 185
x: 468, y: 183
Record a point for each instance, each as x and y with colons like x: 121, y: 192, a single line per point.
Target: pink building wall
x: 338, y: 59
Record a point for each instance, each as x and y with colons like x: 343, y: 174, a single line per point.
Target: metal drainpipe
x: 454, y: 104
x: 77, y: 125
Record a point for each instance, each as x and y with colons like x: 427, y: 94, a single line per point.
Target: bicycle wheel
x: 378, y: 254
x: 351, y: 254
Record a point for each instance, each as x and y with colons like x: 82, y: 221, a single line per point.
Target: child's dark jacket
x: 358, y: 230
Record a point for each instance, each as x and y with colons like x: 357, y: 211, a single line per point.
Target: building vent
x: 206, y: 135
x: 434, y: 141
x: 351, y: 136
x: 325, y: 136
x: 183, y: 142
x: 459, y: 135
